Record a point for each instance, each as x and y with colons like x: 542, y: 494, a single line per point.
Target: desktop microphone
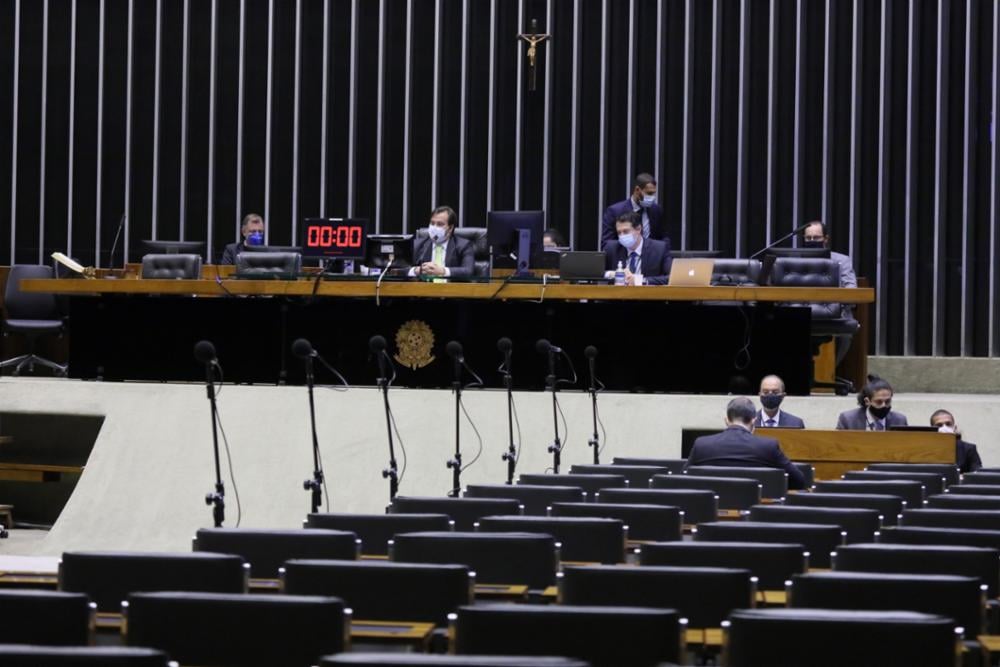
x: 377, y: 346
x: 303, y: 349
x: 505, y: 345
x: 454, y: 349
x: 591, y: 353
x: 204, y: 352
x: 784, y: 238
x: 543, y: 346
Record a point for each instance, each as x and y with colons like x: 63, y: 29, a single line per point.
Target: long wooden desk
x: 834, y: 452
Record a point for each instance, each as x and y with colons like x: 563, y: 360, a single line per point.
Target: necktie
x: 770, y: 423
x: 438, y: 254
x: 645, y: 223
x: 633, y: 261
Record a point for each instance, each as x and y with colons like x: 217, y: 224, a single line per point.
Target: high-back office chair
x: 828, y: 319
x: 187, y: 267
x: 31, y: 315
x: 480, y: 248
x: 266, y: 264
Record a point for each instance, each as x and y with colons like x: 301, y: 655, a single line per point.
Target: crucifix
x: 533, y: 39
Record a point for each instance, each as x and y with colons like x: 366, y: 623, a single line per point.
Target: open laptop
x: 582, y: 266
x: 691, y: 272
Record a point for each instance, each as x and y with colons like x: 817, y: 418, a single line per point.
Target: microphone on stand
x: 768, y: 263
x: 377, y: 346
x: 204, y: 352
x: 543, y: 346
x: 591, y: 353
x: 504, y: 345
x: 454, y: 349
x: 303, y: 349
x: 114, y: 245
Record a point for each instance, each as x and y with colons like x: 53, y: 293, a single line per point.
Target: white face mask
x: 436, y: 233
x: 627, y: 241
x: 647, y: 201
x: 944, y: 428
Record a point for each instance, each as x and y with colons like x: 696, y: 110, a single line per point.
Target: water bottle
x: 620, y: 274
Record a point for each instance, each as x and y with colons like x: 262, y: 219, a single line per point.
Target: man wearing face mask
x: 637, y: 255
x: 738, y: 446
x: 441, y: 254
x: 252, y: 230
x: 875, y: 411
x: 966, y: 453
x: 643, y: 203
x: 772, y: 393
x: 815, y: 236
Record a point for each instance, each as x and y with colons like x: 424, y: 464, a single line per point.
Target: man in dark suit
x: 772, y: 393
x: 441, y: 254
x: 738, y: 446
x: 643, y: 203
x: 875, y: 409
x: 252, y: 231
x: 638, y: 255
x: 966, y: 453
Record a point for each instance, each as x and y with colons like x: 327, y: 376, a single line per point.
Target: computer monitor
x: 174, y: 247
x: 383, y: 247
x: 334, y: 238
x: 811, y: 253
x: 271, y: 248
x: 515, y: 238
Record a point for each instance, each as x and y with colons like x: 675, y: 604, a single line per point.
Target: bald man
x: 772, y: 393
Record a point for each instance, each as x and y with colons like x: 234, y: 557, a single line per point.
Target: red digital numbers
x: 334, y: 236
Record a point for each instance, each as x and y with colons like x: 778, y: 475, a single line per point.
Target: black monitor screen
x: 811, y: 253
x: 502, y: 229
x: 174, y: 247
x: 382, y: 247
x: 334, y: 238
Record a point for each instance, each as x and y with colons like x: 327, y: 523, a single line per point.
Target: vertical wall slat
x: 462, y: 111
x: 155, y: 213
x: 994, y: 335
x: 882, y: 211
x: 72, y: 127
x: 269, y: 121
x: 602, y: 134
x: 184, y: 119
x: 686, y: 133
x: 406, y: 116
x: 210, y: 195
x: 742, y: 129
x: 491, y: 129
x: 129, y: 67
x: 435, y: 109
x: 547, y: 131
x: 13, y: 137
x: 519, y: 109
x: 99, y: 153
x: 968, y: 155
x: 239, y: 118
x: 855, y: 171
x: 658, y: 132
x: 713, y: 137
x: 379, y: 110
x: 772, y: 39
x: 912, y: 138
x: 352, y: 127
x: 295, y: 122
x: 324, y: 110
x: 940, y: 176
x: 574, y: 126
x: 44, y: 123
x: 829, y: 52
x: 797, y: 122
x: 630, y: 101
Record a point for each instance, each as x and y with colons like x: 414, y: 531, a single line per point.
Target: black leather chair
x: 238, y: 630
x: 496, y: 558
x: 961, y: 598
x: 890, y: 507
x: 643, y: 637
x: 962, y: 501
x: 45, y: 617
x: 980, y: 562
x: 644, y: 522
x: 268, y: 264
x: 933, y: 482
x: 31, y: 315
x: 424, y: 660
x: 835, y: 638
x: 771, y: 563
x: 20, y: 655
x: 912, y: 493
x: 187, y: 267
x: 480, y: 247
x: 951, y: 473
x: 638, y: 476
x: 463, y: 511
x: 808, y: 473
x: 535, y: 498
x: 382, y: 591
x: 698, y: 505
x: 591, y: 483
x: 734, y: 493
x: 938, y: 518
x: 818, y: 540
x: 703, y: 595
x: 773, y: 481
x: 975, y: 489
x: 109, y: 576
x: 828, y: 319
x: 581, y: 539
x: 957, y: 536
x: 676, y: 466
x: 267, y: 550
x: 375, y: 530
x: 982, y: 478
x: 860, y: 525
x: 729, y: 272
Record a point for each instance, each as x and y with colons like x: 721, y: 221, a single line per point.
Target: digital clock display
x: 334, y: 238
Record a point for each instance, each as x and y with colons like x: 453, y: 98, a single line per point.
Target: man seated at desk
x: 772, y: 393
x: 738, y: 446
x: 252, y: 231
x: 875, y: 411
x: 966, y: 453
x: 638, y: 255
x: 441, y: 254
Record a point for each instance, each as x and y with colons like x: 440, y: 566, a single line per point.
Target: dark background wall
x: 755, y: 116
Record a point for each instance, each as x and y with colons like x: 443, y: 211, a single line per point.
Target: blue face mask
x: 255, y: 238
x: 626, y: 241
x: 647, y: 201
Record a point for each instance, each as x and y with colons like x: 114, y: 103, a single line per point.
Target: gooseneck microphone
x: 505, y: 346
x: 303, y: 349
x: 591, y: 353
x: 543, y: 346
x: 377, y: 346
x: 204, y: 352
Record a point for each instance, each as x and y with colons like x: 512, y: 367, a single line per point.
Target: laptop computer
x: 582, y: 266
x: 691, y: 272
